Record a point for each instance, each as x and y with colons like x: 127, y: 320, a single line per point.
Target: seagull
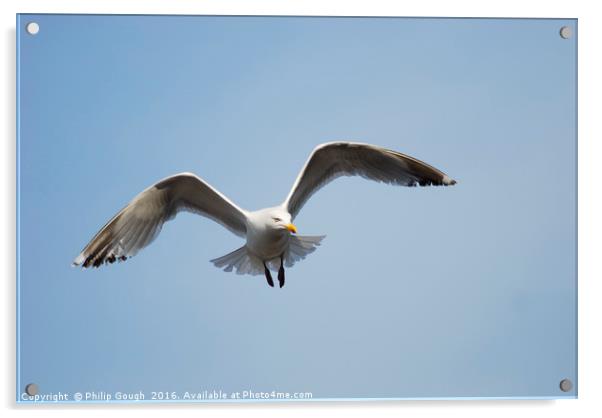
x: 271, y: 240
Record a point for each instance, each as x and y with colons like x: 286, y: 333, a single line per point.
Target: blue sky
x: 421, y: 292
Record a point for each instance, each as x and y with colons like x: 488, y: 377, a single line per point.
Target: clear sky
x: 416, y: 292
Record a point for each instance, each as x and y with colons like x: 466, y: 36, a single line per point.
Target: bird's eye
x: 277, y: 219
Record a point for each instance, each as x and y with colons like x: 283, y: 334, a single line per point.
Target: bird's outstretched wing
x: 335, y: 159
x: 136, y: 225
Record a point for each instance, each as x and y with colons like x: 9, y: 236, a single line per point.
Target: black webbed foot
x: 268, y: 276
x: 281, y: 273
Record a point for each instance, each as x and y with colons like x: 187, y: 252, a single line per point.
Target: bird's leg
x: 268, y: 275
x: 281, y: 272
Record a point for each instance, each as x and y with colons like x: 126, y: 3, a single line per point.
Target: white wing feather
x: 335, y: 159
x: 136, y: 225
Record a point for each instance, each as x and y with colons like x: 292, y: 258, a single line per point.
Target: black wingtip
x: 447, y: 181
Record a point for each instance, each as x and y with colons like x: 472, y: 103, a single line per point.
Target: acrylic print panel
x: 464, y: 290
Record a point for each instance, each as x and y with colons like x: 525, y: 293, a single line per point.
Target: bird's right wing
x: 136, y: 225
x: 335, y: 159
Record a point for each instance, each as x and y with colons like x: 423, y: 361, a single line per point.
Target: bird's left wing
x: 335, y: 159
x: 136, y: 225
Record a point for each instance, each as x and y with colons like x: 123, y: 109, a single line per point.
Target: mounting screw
x: 566, y: 385
x: 31, y: 389
x: 566, y: 32
x: 32, y: 28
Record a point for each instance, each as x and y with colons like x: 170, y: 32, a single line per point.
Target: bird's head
x: 281, y: 220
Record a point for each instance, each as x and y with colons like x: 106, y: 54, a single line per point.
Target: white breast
x: 267, y: 244
x: 264, y: 242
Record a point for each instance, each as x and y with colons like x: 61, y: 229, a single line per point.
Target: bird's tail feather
x: 241, y: 261
x: 244, y: 262
x: 300, y: 246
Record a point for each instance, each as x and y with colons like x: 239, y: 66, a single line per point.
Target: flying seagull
x: 270, y: 244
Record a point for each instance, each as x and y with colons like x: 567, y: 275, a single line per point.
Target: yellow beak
x: 292, y: 228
